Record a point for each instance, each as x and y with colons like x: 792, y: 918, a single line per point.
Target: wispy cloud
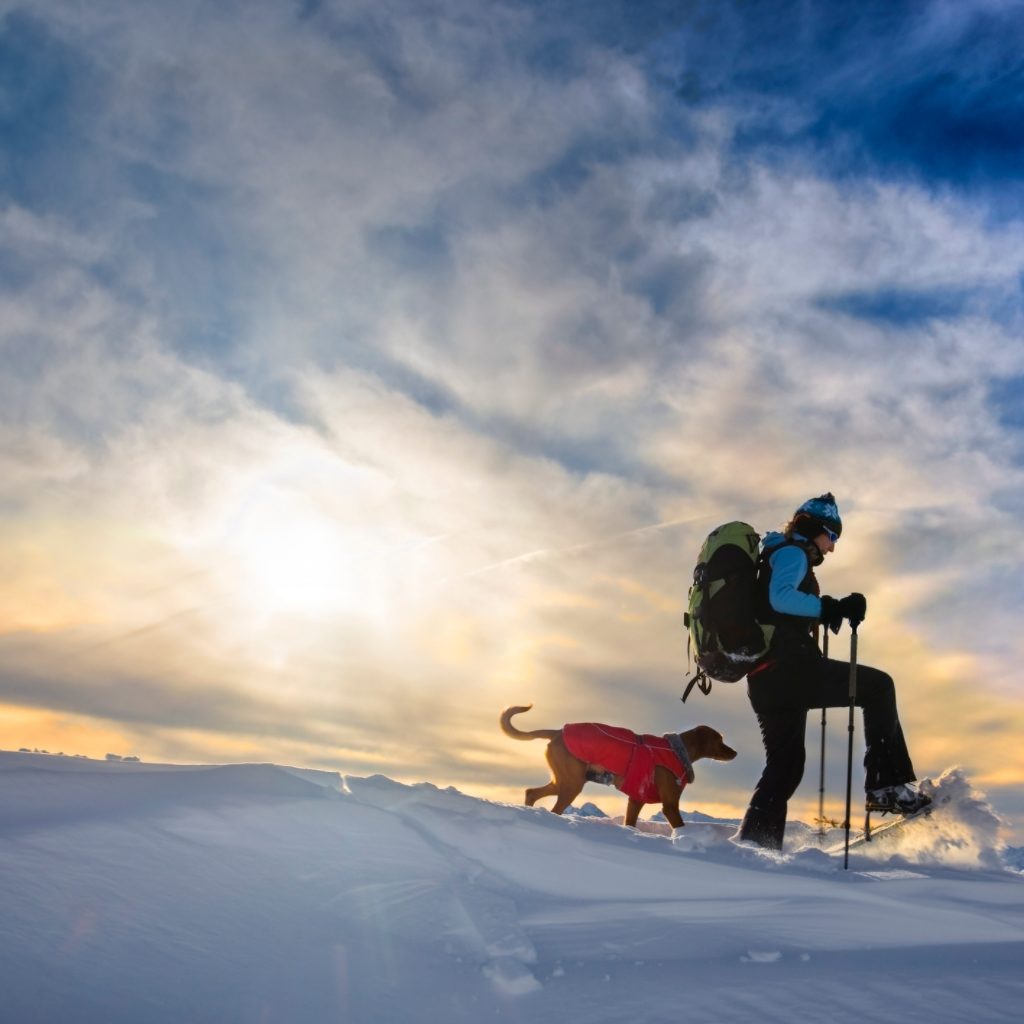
x: 375, y: 366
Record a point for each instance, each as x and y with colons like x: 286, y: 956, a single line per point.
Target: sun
x: 297, y: 566
x: 291, y: 558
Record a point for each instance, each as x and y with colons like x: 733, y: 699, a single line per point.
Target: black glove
x: 853, y: 607
x: 831, y: 616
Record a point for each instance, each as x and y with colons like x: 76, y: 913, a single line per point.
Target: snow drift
x: 135, y: 892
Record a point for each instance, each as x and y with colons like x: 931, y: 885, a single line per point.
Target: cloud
x: 368, y: 369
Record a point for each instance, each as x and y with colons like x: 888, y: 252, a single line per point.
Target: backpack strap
x: 701, y: 681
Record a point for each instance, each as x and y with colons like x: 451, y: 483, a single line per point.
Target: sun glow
x: 300, y: 565
x: 292, y: 558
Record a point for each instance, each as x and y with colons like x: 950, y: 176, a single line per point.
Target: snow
x: 158, y: 893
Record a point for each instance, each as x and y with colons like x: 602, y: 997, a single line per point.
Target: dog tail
x: 517, y: 734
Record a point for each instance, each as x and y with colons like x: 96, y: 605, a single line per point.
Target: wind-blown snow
x: 141, y: 893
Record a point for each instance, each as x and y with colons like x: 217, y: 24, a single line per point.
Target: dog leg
x: 671, y: 811
x: 565, y: 799
x: 633, y: 809
x: 568, y: 774
x: 669, y: 791
x: 538, y: 792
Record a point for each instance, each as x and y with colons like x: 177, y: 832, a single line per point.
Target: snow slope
x: 144, y: 894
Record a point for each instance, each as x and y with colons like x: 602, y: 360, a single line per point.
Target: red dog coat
x: 622, y: 752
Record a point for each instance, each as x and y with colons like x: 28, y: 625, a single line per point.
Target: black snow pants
x: 781, y: 695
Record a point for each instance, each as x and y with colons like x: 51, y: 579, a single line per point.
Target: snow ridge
x: 256, y: 892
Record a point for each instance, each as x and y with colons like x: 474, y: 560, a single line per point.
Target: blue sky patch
x: 893, y: 88
x: 43, y: 86
x: 898, y: 307
x: 1007, y: 398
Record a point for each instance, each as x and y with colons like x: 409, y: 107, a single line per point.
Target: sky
x: 368, y: 368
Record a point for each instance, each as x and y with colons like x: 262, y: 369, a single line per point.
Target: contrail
x: 541, y: 553
x: 532, y: 556
x: 132, y: 634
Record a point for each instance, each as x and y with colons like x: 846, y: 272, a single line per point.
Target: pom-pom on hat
x: 816, y: 515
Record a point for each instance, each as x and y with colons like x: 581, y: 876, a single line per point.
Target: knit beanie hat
x: 816, y: 515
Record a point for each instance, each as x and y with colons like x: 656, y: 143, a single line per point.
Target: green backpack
x: 721, y: 618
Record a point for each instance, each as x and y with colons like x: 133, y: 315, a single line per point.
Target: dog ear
x: 707, y: 737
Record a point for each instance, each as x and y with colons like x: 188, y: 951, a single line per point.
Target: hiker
x: 793, y: 676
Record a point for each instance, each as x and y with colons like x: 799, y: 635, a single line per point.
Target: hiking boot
x: 765, y: 828
x: 902, y: 799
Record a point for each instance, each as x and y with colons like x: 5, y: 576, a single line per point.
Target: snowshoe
x: 903, y: 799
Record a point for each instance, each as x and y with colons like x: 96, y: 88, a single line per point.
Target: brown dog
x: 648, y: 769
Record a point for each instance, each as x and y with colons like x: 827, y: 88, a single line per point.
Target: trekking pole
x: 821, y: 775
x: 849, y: 749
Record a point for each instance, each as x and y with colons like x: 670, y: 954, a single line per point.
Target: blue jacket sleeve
x: 789, y: 567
